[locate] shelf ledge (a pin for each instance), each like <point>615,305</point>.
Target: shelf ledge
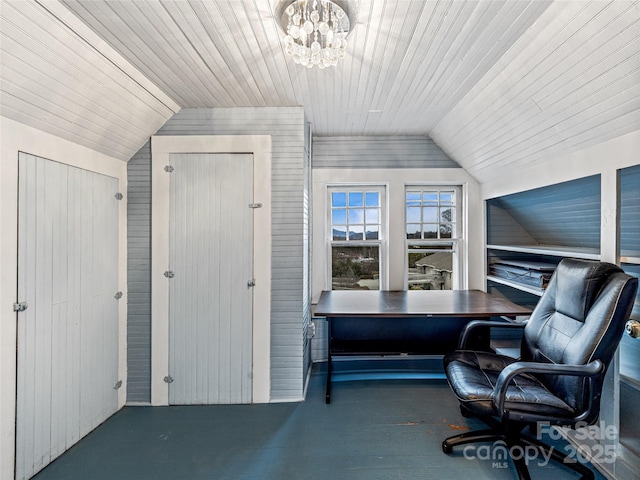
<point>516,285</point>
<point>558,251</point>
<point>632,260</point>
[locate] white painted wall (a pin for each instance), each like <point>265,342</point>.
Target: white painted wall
<point>607,156</point>
<point>15,137</point>
<point>395,181</point>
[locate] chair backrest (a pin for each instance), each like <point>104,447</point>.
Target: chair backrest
<point>580,318</point>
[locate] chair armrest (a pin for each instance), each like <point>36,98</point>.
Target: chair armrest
<point>466,332</point>
<point>590,369</point>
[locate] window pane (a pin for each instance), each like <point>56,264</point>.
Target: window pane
<point>372,215</point>
<point>446,214</point>
<point>339,199</point>
<point>437,214</point>
<point>339,216</point>
<point>430,214</point>
<point>413,214</point>
<point>373,199</point>
<point>413,198</point>
<point>355,199</point>
<point>413,231</point>
<point>355,268</point>
<point>372,232</point>
<point>356,215</point>
<point>446,198</point>
<point>430,231</point>
<point>446,230</point>
<point>339,233</point>
<point>356,232</point>
<point>430,198</point>
<point>430,270</point>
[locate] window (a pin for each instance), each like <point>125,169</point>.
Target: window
<point>432,232</point>
<point>389,234</point>
<point>430,214</point>
<point>355,237</point>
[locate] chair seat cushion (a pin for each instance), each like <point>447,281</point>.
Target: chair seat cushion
<point>473,375</point>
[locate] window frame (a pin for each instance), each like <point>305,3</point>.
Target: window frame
<point>381,242</point>
<point>456,240</point>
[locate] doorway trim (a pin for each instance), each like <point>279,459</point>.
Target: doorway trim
<point>161,149</point>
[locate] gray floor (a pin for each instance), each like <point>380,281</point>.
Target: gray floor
<point>375,429</point>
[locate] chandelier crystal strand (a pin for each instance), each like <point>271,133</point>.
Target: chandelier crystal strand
<point>316,32</point>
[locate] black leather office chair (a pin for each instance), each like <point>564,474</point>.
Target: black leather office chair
<point>566,348</point>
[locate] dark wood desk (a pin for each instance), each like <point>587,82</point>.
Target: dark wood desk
<point>414,322</point>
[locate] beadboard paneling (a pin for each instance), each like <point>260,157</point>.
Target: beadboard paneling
<point>139,276</point>
<point>502,228</point>
<point>630,211</point>
<point>289,309</point>
<point>407,64</point>
<point>379,152</point>
<point>306,251</point>
<point>60,77</point>
<point>496,84</point>
<point>565,214</point>
<point>571,81</point>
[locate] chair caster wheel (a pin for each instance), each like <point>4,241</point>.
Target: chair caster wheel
<point>446,448</point>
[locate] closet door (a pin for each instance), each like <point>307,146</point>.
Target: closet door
<point>68,335</point>
<point>211,272</point>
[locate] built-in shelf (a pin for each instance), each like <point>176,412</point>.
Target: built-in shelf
<point>541,225</point>
<point>516,285</point>
<point>554,250</point>
<point>534,230</point>
<point>540,250</point>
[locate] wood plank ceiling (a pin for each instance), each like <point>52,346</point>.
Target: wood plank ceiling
<point>494,83</point>
<point>60,77</point>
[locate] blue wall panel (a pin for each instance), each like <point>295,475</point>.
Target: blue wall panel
<point>565,214</point>
<point>630,211</point>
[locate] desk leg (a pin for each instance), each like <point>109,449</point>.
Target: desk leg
<point>329,365</point>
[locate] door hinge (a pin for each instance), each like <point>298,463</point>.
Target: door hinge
<point>251,283</point>
<point>169,274</point>
<point>168,379</point>
<point>117,385</point>
<point>119,196</point>
<point>255,205</point>
<point>20,306</point>
<point>118,295</point>
<point>168,168</point>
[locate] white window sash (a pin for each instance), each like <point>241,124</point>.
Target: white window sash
<point>380,242</point>
<point>455,242</point>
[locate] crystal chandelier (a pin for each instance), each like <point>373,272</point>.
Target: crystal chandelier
<point>316,32</point>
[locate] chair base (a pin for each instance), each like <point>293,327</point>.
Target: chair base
<point>515,441</point>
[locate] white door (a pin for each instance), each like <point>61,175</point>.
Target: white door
<point>210,292</point>
<point>68,334</point>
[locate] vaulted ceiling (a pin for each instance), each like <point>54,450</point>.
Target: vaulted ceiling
<point>496,84</point>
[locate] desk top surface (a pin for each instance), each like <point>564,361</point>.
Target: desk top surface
<point>416,303</point>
